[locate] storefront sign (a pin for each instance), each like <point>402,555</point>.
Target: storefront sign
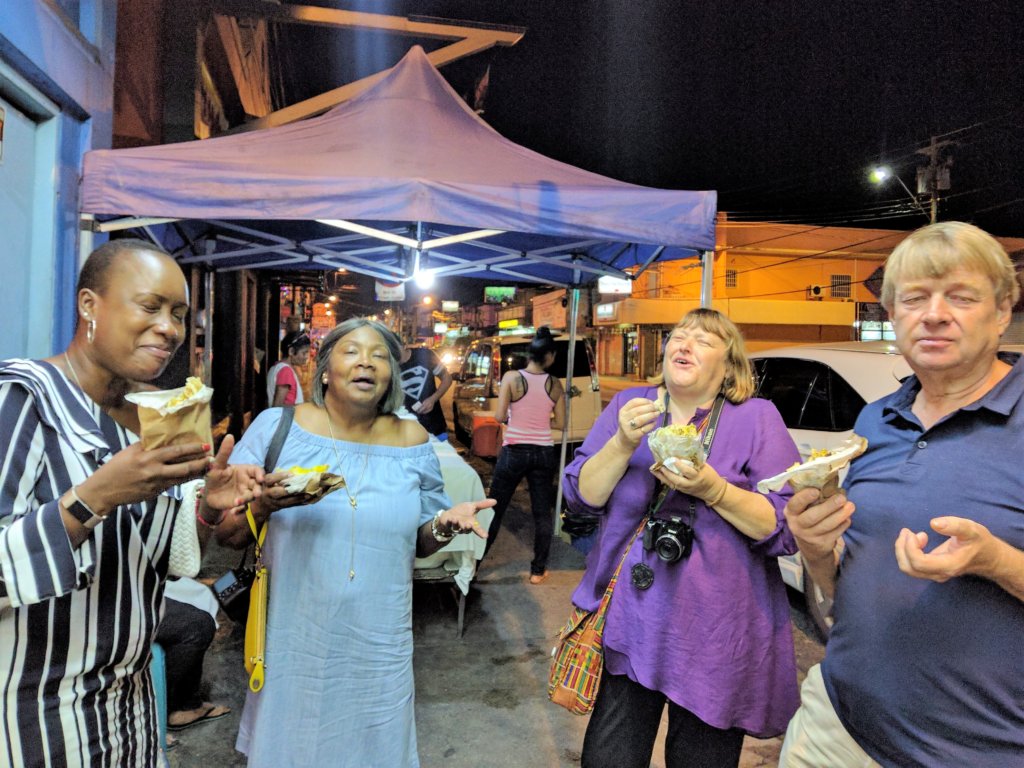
<point>389,291</point>
<point>508,323</point>
<point>606,311</point>
<point>449,306</point>
<point>614,285</point>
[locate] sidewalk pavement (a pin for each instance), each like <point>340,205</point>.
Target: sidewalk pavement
<point>480,700</point>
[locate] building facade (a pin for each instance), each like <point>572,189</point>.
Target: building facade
<point>56,103</point>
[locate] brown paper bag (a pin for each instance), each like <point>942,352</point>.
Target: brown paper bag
<point>187,420</point>
<point>188,425</point>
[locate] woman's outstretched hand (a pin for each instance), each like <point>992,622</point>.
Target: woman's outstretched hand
<point>229,487</point>
<point>462,518</point>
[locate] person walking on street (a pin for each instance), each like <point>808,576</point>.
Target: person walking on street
<point>532,402</point>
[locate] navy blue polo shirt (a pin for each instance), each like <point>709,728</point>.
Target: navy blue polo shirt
<point>922,673</point>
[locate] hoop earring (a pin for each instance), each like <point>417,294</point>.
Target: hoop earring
<point>90,331</point>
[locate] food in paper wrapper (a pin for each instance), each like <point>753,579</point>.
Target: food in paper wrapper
<point>676,441</point>
<point>659,405</point>
<point>174,416</point>
<point>820,471</point>
<point>313,482</point>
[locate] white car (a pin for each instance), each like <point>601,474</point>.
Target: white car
<point>820,389</point>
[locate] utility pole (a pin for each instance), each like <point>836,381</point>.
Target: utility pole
<point>935,176</point>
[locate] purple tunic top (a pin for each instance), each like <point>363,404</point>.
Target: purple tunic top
<point>713,632</point>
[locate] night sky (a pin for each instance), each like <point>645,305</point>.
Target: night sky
<point>780,106</point>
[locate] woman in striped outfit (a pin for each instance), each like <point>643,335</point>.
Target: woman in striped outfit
<point>86,518</point>
<point>531,401</point>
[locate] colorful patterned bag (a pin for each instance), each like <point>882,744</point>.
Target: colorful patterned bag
<point>578,659</point>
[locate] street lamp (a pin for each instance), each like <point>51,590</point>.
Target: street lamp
<point>882,173</point>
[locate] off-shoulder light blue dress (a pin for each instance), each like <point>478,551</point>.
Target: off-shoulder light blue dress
<point>339,681</point>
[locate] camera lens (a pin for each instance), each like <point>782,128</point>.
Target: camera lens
<point>669,548</point>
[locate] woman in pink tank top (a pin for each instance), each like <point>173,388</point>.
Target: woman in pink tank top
<point>531,401</point>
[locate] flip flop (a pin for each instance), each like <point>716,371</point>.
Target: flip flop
<point>206,716</point>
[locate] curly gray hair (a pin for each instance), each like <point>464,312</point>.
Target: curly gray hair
<point>393,397</point>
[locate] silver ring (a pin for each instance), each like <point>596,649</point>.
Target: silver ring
<point>632,424</point>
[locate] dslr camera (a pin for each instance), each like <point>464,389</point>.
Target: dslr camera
<point>671,538</point>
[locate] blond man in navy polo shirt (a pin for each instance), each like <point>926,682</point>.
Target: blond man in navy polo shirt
<point>924,552</point>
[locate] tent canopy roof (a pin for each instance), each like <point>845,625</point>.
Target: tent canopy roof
<point>407,157</point>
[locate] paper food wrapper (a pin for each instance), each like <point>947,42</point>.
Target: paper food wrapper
<point>174,416</point>
<point>821,472</point>
<point>313,483</point>
<point>676,442</point>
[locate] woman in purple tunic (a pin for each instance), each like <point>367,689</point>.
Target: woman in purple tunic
<point>699,617</point>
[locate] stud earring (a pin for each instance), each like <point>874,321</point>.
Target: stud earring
<point>324,379</point>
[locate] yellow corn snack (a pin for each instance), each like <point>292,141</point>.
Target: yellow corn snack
<point>681,430</point>
<point>192,387</point>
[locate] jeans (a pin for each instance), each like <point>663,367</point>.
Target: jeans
<point>537,464</point>
<point>624,724</point>
<point>185,632</point>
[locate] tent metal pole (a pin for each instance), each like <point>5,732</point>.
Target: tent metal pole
<point>85,238</point>
<point>574,305</point>
<point>707,275</point>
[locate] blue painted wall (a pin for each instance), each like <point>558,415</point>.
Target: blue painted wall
<point>57,73</point>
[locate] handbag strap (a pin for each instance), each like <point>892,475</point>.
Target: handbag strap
<point>603,605</point>
<point>280,435</point>
<point>273,453</point>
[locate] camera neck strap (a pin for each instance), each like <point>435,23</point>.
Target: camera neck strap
<point>709,426</point>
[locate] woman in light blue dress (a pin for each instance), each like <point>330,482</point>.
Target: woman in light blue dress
<point>339,680</point>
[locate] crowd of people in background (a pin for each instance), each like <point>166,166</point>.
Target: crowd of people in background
<point>923,548</point>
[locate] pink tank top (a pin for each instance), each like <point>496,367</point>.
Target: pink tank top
<point>529,417</point>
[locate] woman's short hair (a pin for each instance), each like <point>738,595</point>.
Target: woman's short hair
<point>938,249</point>
<point>542,344</point>
<point>393,396</point>
<point>95,274</point>
<point>294,341</point>
<point>738,385</point>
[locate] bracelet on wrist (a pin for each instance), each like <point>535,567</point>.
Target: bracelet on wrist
<point>718,499</point>
<point>200,492</point>
<point>435,529</point>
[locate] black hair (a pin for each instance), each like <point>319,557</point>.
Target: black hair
<point>294,340</point>
<point>95,272</point>
<point>543,343</point>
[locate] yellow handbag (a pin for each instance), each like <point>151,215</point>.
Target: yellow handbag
<point>256,624</point>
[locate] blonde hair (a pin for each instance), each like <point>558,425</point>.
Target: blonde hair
<point>738,385</point>
<point>938,249</point>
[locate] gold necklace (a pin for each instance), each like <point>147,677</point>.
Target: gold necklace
<point>353,503</point>
<point>71,368</point>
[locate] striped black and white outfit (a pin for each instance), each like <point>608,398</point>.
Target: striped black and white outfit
<point>76,625</point>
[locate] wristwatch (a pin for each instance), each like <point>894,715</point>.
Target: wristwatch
<point>81,511</point>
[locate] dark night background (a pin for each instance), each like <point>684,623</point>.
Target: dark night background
<point>782,107</point>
